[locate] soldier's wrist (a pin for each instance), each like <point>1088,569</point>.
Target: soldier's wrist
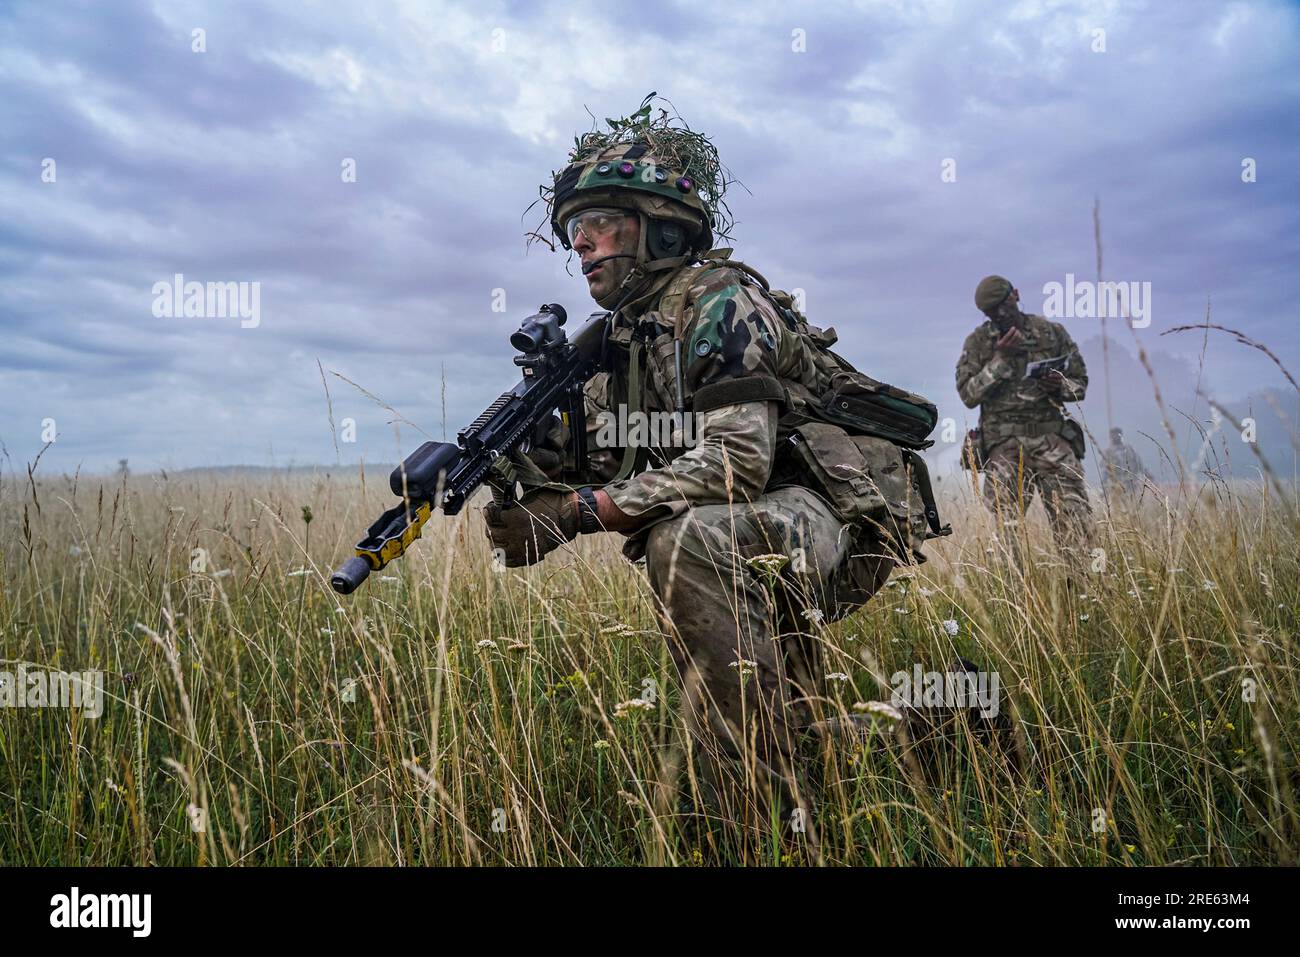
<point>588,510</point>
<point>612,518</point>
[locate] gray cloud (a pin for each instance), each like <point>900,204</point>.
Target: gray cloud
<point>225,165</point>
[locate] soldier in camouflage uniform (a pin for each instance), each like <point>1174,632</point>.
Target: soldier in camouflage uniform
<point>1122,470</point>
<point>1028,444</point>
<point>693,333</point>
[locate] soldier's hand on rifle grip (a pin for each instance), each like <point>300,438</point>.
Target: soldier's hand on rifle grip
<point>536,525</point>
<point>547,452</point>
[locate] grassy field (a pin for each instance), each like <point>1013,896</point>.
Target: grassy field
<point>450,713</point>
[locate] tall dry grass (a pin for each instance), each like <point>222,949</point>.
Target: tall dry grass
<point>450,713</point>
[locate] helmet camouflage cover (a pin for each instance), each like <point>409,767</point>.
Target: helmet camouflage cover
<point>631,177</point>
<point>647,164</point>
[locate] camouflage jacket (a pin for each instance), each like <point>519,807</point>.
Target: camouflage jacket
<point>745,378</point>
<point>1011,404</point>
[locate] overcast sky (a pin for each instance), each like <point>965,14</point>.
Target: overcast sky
<point>226,165</point>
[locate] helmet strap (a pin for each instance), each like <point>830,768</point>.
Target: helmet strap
<point>635,287</point>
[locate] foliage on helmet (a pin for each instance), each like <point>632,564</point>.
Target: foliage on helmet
<point>687,173</point>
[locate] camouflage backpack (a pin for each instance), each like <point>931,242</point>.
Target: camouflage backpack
<point>854,400</point>
<point>841,395</point>
<point>858,437</point>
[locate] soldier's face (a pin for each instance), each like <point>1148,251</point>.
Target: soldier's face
<point>609,275</point>
<point>1009,311</point>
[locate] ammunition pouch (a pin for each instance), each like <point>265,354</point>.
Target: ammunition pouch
<point>865,406</point>
<point>1072,432</point>
<point>869,482</point>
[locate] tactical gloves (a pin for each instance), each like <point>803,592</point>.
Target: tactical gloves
<point>549,439</point>
<point>525,532</point>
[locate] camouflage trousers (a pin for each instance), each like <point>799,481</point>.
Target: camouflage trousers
<point>1017,468</point>
<point>744,640</point>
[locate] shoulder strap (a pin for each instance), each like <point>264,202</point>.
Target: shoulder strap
<point>751,271</point>
<point>674,295</point>
<point>630,452</point>
<point>722,257</point>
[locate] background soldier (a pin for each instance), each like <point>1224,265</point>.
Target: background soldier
<point>1122,469</point>
<point>1027,444</point>
<point>698,333</point>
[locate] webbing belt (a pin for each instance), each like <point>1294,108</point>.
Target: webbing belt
<point>1006,429</point>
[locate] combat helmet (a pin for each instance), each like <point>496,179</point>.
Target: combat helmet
<point>653,165</point>
<point>631,177</point>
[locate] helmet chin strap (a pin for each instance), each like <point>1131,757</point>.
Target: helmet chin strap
<point>638,279</point>
<point>617,297</point>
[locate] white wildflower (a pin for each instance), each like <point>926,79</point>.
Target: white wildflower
<point>770,563</point>
<point>744,666</point>
<point>625,708</point>
<point>881,709</point>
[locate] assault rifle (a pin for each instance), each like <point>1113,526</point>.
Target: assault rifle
<point>445,474</point>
